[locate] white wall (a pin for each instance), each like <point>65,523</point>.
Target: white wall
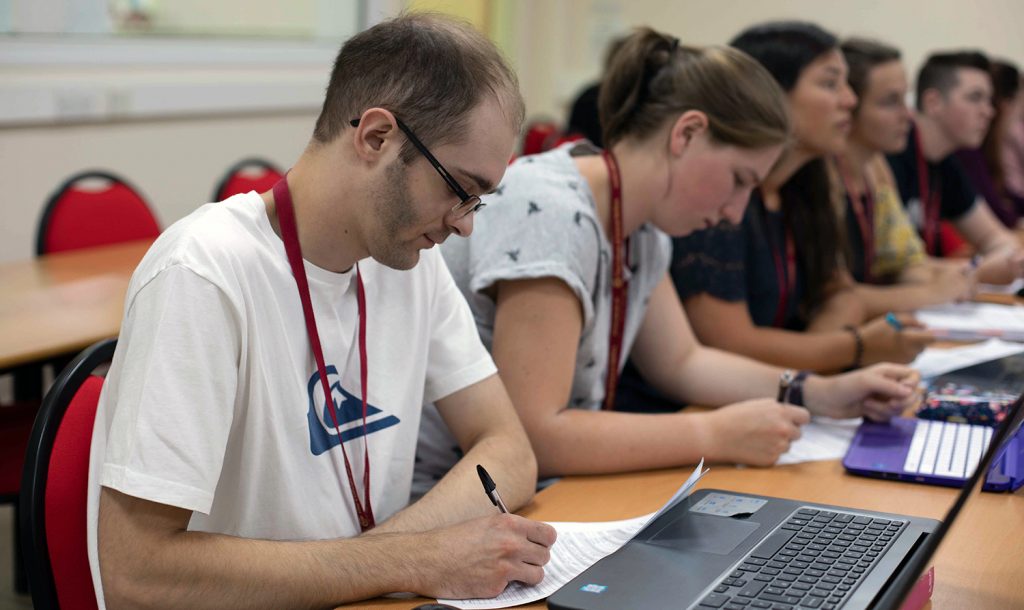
<point>553,68</point>
<point>556,46</point>
<point>176,163</point>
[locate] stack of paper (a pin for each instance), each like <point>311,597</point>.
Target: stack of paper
<point>579,546</point>
<point>974,321</point>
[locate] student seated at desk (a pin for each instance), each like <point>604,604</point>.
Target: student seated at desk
<point>985,165</point>
<point>566,276</point>
<point>754,287</point>
<point>219,477</point>
<point>887,258</point>
<point>954,108</point>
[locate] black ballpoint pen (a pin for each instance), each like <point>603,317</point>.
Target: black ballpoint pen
<point>490,489</point>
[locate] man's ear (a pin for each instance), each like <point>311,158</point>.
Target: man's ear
<point>688,125</point>
<point>932,100</point>
<point>376,135</point>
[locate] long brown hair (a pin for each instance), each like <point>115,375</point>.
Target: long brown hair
<point>1005,85</point>
<point>653,79</point>
<point>786,48</point>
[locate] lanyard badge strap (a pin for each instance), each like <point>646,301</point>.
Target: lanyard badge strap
<point>620,285</point>
<point>290,235</point>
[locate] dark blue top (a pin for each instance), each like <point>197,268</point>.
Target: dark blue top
<point>733,263</point>
<point>740,263</point>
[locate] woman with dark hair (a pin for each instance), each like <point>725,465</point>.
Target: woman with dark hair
<point>751,288</point>
<point>887,258</point>
<point>984,165</point>
<point>1011,153</point>
<point>568,277</point>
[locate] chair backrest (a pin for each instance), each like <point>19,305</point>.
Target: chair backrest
<point>539,136</point>
<point>247,175</point>
<point>80,215</point>
<point>54,486</point>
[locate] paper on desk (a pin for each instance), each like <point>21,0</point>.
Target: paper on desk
<point>974,321</point>
<point>1010,288</point>
<point>578,546</point>
<point>823,438</point>
<point>935,361</point>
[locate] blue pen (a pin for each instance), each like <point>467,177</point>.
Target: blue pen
<point>894,321</point>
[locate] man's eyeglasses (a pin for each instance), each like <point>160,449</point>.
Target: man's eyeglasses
<point>468,204</point>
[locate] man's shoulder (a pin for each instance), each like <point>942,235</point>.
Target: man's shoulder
<point>208,241</point>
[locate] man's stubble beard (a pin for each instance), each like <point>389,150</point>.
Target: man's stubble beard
<point>394,214</point>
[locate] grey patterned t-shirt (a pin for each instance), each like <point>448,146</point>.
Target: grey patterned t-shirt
<point>542,222</point>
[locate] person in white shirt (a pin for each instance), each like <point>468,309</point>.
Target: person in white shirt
<point>220,476</point>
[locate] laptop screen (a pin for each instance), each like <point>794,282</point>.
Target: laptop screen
<point>905,580</point>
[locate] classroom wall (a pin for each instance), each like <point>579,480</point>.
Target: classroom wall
<point>176,163</point>
<point>555,45</point>
<point>553,66</point>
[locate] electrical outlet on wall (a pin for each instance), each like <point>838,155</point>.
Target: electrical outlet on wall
<point>80,104</point>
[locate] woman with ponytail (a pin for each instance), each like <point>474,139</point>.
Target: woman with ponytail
<point>566,274</point>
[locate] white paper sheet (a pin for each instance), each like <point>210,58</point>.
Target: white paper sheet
<point>578,546</point>
<point>935,361</point>
<point>823,438</point>
<point>1010,288</point>
<point>974,321</point>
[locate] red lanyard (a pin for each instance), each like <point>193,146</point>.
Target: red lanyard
<point>864,210</point>
<point>620,285</point>
<point>290,236</point>
<point>931,201</point>
<point>785,273</point>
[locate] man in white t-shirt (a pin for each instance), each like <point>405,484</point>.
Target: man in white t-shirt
<point>220,476</point>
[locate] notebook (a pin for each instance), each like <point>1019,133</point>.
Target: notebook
<point>722,549</point>
<point>977,394</point>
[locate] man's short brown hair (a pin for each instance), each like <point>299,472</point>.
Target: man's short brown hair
<point>430,71</point>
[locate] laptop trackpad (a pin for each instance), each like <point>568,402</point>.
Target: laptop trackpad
<point>708,534</point>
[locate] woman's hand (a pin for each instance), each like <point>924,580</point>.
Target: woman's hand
<point>754,432</point>
<point>883,343</point>
<point>878,392</point>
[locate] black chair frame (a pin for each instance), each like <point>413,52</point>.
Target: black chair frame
<point>37,464</point>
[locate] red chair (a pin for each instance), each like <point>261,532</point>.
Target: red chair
<point>539,137</point>
<point>54,486</point>
<point>94,208</point>
<point>248,175</point>
<point>15,429</point>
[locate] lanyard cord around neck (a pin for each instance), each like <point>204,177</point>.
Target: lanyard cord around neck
<point>620,285</point>
<point>863,205</point>
<point>290,235</point>
<point>784,257</point>
<point>931,201</point>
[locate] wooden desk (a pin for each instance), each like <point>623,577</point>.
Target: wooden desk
<point>978,565</point>
<point>62,303</point>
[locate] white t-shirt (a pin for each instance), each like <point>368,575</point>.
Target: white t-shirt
<point>213,401</point>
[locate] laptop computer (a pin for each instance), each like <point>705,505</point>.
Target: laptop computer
<point>721,549</point>
<point>946,452</point>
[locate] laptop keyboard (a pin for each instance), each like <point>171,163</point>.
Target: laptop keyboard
<point>815,559</point>
<point>946,449</point>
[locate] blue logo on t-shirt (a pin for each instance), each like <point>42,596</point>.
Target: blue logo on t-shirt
<point>348,408</point>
